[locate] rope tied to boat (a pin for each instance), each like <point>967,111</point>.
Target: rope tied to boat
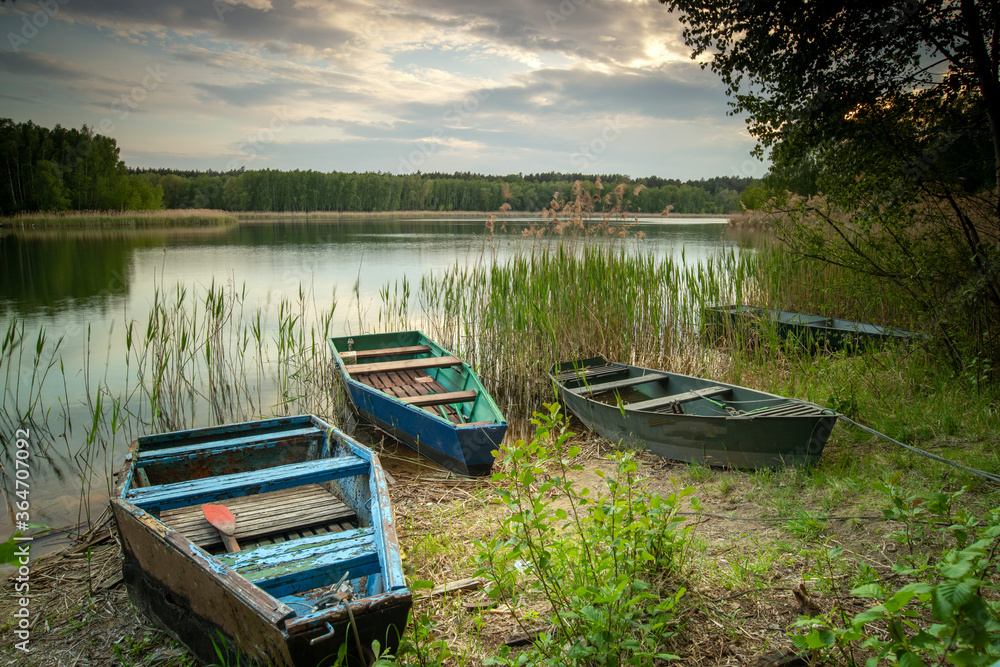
<point>981,473</point>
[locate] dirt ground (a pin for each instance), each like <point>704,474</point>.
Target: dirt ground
<point>82,616</point>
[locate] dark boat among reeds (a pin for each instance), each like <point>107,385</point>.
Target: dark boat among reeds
<point>424,396</point>
<point>832,333</point>
<point>692,419</point>
<point>317,571</point>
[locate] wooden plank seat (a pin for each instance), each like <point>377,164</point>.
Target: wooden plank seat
<point>168,454</point>
<point>676,399</point>
<point>392,351</point>
<point>156,499</point>
<point>618,384</point>
<point>440,399</point>
<point>277,426</point>
<point>406,364</point>
<point>263,514</point>
<point>587,372</point>
<point>308,562</point>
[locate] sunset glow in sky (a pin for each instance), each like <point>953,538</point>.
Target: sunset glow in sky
<point>487,86</point>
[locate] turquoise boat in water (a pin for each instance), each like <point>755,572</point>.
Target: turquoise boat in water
<point>421,394</point>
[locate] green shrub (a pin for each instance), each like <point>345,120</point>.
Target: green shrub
<point>606,568</point>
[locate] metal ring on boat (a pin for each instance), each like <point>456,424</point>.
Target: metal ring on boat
<point>316,640</point>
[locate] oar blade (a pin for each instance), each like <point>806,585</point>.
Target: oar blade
<point>220,517</point>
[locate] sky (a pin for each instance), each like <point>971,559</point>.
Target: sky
<point>485,86</point>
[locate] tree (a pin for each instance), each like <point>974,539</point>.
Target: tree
<point>800,69</point>
<point>50,193</point>
<point>892,109</point>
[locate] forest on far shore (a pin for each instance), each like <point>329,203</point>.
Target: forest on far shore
<point>63,169</point>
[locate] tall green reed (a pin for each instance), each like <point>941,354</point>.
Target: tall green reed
<point>25,366</point>
<point>214,353</point>
<point>199,357</point>
<point>575,285</point>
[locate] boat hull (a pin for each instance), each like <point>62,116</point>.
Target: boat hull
<point>737,440</point>
<point>467,450</point>
<point>224,612</point>
<point>814,331</point>
<point>465,442</point>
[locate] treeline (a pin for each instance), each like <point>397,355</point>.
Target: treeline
<point>62,169</point>
<point>272,190</point>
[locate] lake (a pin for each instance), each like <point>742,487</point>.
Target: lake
<point>84,285</point>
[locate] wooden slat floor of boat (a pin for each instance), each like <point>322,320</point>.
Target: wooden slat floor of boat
<point>262,514</point>
<point>278,538</point>
<point>792,409</point>
<point>410,383</point>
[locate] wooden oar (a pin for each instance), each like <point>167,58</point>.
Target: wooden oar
<point>224,521</point>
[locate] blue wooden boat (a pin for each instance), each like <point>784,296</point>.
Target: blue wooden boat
<point>422,395</point>
<point>812,331</point>
<point>692,419</point>
<point>318,572</point>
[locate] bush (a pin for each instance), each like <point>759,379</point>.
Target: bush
<point>607,568</point>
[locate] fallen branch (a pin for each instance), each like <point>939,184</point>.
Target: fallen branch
<point>458,585</point>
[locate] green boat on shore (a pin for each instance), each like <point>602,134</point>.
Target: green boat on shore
<point>691,419</point>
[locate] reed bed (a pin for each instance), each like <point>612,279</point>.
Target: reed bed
<point>790,282</point>
<point>199,358</point>
<point>578,284</point>
<point>161,218</point>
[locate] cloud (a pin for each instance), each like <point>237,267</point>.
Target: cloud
<point>362,82</point>
<point>662,92</point>
<point>248,94</point>
<point>31,64</point>
<point>280,26</point>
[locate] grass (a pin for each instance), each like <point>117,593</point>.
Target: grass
<point>161,218</point>
<point>574,290</point>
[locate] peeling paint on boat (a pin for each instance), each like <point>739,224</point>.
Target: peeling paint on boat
<point>200,598</point>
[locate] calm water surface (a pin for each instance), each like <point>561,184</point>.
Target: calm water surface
<point>84,285</point>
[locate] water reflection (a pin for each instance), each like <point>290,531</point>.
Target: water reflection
<point>84,286</point>
<point>54,271</point>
